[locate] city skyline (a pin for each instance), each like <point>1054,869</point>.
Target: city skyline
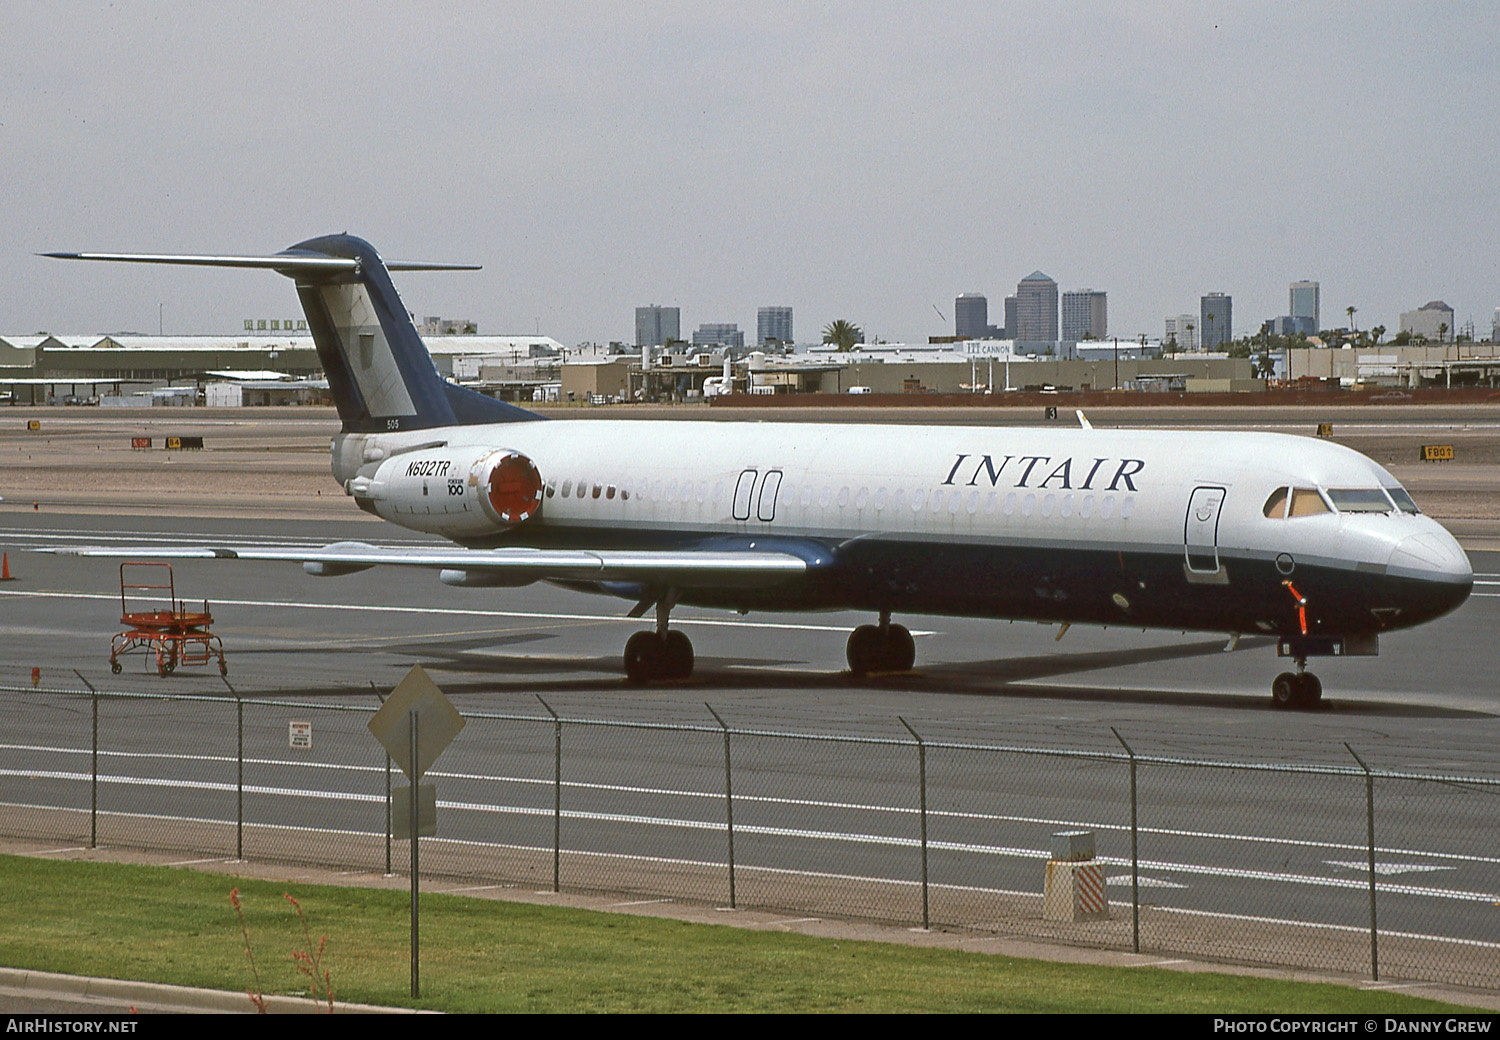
<point>1128,150</point>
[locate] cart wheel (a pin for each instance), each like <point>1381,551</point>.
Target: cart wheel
<point>114,666</point>
<point>171,666</point>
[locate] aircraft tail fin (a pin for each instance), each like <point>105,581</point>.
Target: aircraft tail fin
<point>379,372</point>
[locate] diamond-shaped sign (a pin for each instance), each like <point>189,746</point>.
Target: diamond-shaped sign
<point>438,722</point>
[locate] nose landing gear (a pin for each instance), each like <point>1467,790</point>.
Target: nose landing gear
<point>1299,689</point>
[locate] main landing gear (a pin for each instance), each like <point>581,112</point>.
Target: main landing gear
<point>660,654</point>
<point>1299,689</point>
<point>881,648</point>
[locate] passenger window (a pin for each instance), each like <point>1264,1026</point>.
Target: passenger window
<point>567,488</point>
<point>1307,502</point>
<point>1276,505</point>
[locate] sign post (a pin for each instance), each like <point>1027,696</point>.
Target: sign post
<point>415,725</point>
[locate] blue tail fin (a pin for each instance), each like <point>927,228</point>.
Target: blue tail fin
<point>379,372</point>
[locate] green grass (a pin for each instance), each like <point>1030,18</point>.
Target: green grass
<point>177,926</point>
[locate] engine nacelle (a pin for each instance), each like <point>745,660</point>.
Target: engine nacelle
<point>452,491</point>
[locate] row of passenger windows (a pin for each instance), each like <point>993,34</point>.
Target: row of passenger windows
<point>1291,502</point>
<point>952,501</point>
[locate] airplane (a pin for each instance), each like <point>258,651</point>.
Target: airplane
<point>1240,533</point>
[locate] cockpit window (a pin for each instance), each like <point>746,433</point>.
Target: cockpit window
<point>1360,500</point>
<point>1402,499</point>
<point>1307,502</point>
<point>1276,505</point>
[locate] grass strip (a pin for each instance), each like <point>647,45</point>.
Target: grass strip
<point>177,926</point>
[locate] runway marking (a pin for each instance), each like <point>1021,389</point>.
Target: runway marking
<point>463,612</point>
<point>802,833</point>
<point>195,862</point>
<point>1356,929</point>
<point>801,803</point>
<point>1386,869</point>
<point>643,902</point>
<point>1143,882</point>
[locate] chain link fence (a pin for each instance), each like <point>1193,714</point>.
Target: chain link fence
<point>1347,869</point>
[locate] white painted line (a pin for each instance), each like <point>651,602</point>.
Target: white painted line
<point>195,862</point>
<point>644,902</point>
<point>1385,869</point>
<point>1143,882</point>
<point>1357,929</point>
<point>801,803</point>
<point>457,612</point>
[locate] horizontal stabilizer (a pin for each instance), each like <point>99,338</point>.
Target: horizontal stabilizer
<point>288,263</point>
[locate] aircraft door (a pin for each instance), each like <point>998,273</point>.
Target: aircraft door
<point>1201,530</point>
<point>744,492</point>
<point>766,510</point>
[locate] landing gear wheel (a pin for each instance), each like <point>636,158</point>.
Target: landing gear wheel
<point>1312,690</point>
<point>1284,690</point>
<point>643,657</point>
<point>677,656</point>
<point>863,651</point>
<point>1290,690</point>
<point>900,650</point>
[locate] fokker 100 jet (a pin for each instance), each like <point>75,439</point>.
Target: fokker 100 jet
<point>1240,533</point>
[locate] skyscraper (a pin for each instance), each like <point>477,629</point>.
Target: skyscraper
<point>1036,309</point>
<point>655,325</point>
<point>971,316</point>
<point>720,334</point>
<point>1215,325</point>
<point>773,323</point>
<point>1304,305</point>
<point>1085,315</point>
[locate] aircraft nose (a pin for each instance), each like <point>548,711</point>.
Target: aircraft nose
<point>1432,556</point>
<point>1436,572</point>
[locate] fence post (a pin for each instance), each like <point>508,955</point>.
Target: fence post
<point>388,822</point>
<point>239,782</point>
<point>556,796</point>
<point>922,801</point>
<point>1370,843</point>
<point>728,800</point>
<point>93,765</point>
<point>1135,857</point>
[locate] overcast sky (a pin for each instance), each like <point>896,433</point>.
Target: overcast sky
<point>865,161</point>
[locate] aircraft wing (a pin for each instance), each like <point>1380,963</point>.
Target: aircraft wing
<point>684,567</point>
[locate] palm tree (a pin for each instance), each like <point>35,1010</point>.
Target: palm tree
<point>843,334</point>
<point>1350,311</point>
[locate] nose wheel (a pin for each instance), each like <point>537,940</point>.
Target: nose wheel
<point>1296,690</point>
<point>881,648</point>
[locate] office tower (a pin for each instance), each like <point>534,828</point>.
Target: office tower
<point>1215,324</point>
<point>723,335</point>
<point>1036,309</point>
<point>1182,330</point>
<point>773,323</point>
<point>1084,315</point>
<point>1304,304</point>
<point>1009,332</point>
<point>655,325</point>
<point>971,316</point>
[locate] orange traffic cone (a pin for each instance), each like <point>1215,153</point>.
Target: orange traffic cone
<point>5,574</point>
